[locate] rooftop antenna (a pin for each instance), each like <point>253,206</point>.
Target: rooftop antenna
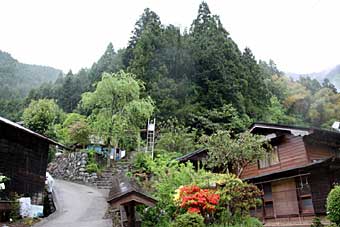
<point>150,136</point>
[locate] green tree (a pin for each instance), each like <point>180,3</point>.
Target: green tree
<point>117,108</point>
<point>217,62</point>
<point>177,139</point>
<point>74,129</point>
<point>234,154</point>
<point>221,118</point>
<point>333,205</point>
<point>42,115</point>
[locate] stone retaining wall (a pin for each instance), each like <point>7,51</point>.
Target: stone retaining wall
<point>72,167</point>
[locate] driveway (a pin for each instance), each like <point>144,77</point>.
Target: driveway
<point>77,206</point>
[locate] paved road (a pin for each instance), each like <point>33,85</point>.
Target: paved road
<point>77,206</point>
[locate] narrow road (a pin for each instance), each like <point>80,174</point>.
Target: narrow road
<point>77,206</point>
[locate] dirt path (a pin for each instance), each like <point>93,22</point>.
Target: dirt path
<point>77,206</point>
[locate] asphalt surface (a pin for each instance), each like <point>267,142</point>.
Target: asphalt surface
<point>77,206</point>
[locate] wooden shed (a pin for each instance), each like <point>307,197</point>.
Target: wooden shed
<point>127,194</point>
<point>23,158</point>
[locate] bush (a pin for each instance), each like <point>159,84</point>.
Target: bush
<point>15,207</point>
<point>188,220</point>
<point>197,200</point>
<point>238,196</point>
<point>333,205</point>
<point>240,221</point>
<point>92,168</point>
<point>317,223</point>
<point>92,165</point>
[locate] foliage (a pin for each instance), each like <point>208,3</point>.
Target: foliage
<point>238,197</point>
<point>167,176</point>
<point>41,116</point>
<point>190,75</point>
<point>221,118</point>
<point>15,206</point>
<point>177,138</point>
<point>74,130</point>
<point>241,221</point>
<point>92,166</point>
<point>189,219</point>
<point>317,222</point>
<point>3,180</point>
<point>197,200</point>
<point>333,205</point>
<point>117,109</point>
<point>164,176</point>
<point>234,154</point>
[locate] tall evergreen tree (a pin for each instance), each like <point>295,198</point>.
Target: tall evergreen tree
<point>216,61</point>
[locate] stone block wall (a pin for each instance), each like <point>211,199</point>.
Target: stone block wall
<point>72,167</point>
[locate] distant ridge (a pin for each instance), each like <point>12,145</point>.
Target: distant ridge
<point>17,79</point>
<point>332,74</point>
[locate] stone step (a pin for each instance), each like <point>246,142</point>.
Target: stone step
<point>104,187</point>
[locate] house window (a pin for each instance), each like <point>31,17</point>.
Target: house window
<point>271,158</point>
<point>268,200</point>
<point>304,195</point>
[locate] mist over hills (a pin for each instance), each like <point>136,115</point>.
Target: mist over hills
<point>332,74</point>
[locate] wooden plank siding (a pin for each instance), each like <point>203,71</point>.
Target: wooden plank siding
<point>292,153</point>
<point>319,151</point>
<point>285,198</point>
<point>23,158</point>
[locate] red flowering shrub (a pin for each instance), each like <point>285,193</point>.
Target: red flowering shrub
<point>197,200</point>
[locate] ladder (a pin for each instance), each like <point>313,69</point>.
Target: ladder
<point>150,136</point>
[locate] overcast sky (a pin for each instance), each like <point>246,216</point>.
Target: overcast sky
<point>299,35</point>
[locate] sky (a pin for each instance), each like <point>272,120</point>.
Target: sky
<point>301,36</point>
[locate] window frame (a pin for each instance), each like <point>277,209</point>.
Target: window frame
<point>267,160</point>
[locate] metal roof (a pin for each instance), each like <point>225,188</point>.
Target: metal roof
<point>26,130</point>
<point>124,187</point>
<point>188,156</point>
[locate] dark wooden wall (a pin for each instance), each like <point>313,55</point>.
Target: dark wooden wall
<point>322,181</point>
<point>292,153</point>
<point>318,151</point>
<point>23,158</point>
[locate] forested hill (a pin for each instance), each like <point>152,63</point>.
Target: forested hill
<point>332,75</point>
<point>200,79</point>
<point>17,79</point>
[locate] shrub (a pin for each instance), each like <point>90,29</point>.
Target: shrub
<point>188,220</point>
<point>240,221</point>
<point>92,165</point>
<point>238,196</point>
<point>197,200</point>
<point>333,205</point>
<point>92,168</point>
<point>317,223</point>
<point>15,206</point>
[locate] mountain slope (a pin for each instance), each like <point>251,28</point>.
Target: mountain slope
<point>333,75</point>
<point>17,79</point>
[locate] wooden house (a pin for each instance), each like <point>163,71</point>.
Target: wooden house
<point>297,174</point>
<point>23,158</point>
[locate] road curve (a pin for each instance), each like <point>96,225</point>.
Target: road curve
<point>77,206</point>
